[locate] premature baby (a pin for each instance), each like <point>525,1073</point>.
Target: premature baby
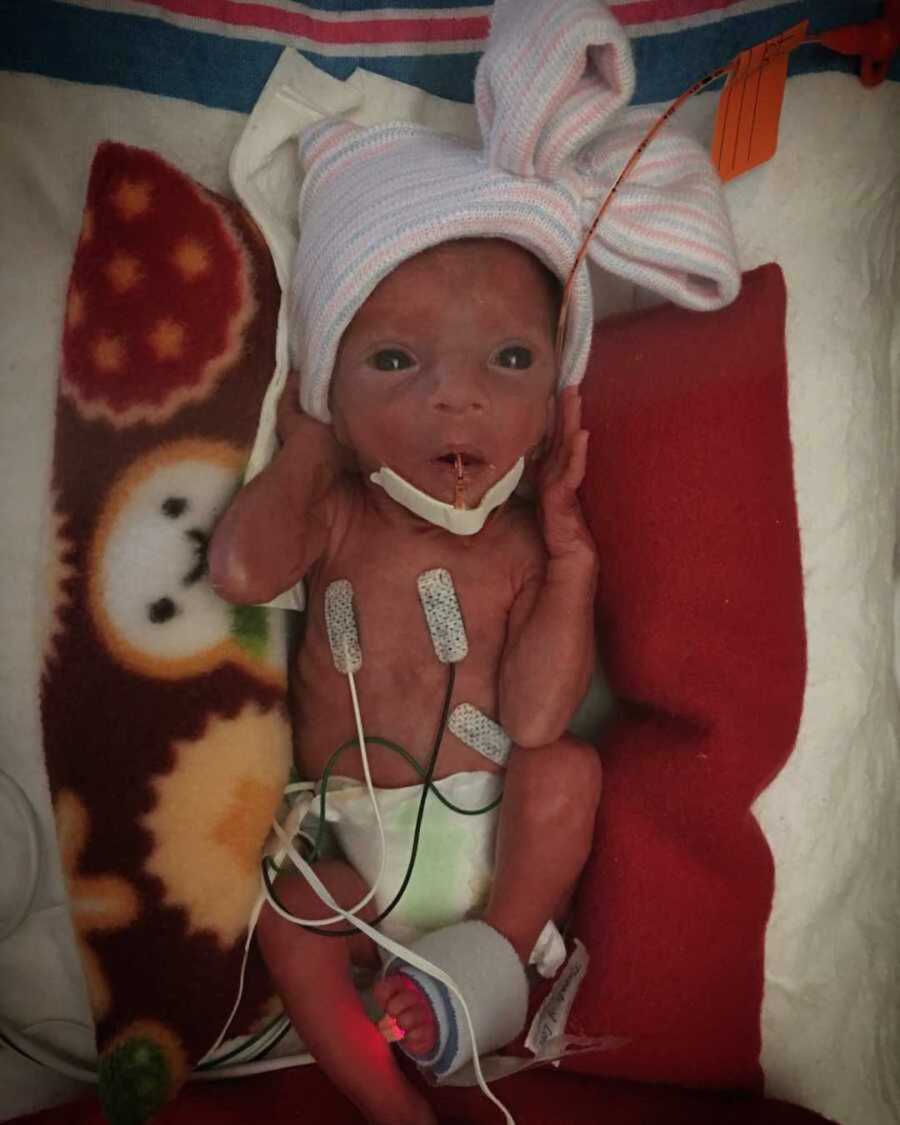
<point>451,359</point>
<point>422,321</point>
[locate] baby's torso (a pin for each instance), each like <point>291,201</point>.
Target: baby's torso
<point>401,682</point>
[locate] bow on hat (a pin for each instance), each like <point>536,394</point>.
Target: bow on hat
<point>549,92</point>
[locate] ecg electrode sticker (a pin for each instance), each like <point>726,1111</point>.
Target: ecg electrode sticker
<point>445,623</point>
<point>340,621</point>
<point>480,732</point>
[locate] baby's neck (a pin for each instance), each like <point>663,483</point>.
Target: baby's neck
<point>405,523</point>
<point>458,518</point>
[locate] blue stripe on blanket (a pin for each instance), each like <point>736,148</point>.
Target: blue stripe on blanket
<point>113,49</point>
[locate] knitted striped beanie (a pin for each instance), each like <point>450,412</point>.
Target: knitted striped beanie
<point>549,92</point>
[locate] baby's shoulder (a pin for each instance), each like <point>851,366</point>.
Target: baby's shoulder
<point>346,509</point>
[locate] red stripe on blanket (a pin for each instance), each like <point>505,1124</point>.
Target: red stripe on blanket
<point>370,27</point>
<point>632,12</point>
<point>327,31</point>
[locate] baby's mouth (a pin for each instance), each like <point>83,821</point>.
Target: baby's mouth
<point>461,459</point>
<point>464,464</point>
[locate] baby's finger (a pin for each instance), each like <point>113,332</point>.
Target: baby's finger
<point>291,388</point>
<point>554,468</point>
<point>553,439</point>
<point>571,411</point>
<point>288,400</point>
<point>287,411</point>
<point>577,462</point>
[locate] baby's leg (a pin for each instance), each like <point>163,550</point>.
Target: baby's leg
<point>550,800</point>
<point>312,975</point>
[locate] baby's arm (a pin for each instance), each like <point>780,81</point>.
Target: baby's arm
<point>277,526</point>
<point>550,648</point>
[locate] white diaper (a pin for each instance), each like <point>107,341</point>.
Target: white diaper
<point>454,864</point>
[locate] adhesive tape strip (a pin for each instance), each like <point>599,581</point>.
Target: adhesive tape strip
<point>442,615</point>
<point>340,622</point>
<point>479,732</point>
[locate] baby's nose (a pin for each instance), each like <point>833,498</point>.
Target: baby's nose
<point>458,388</point>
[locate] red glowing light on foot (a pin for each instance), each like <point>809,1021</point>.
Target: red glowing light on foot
<point>391,1031</point>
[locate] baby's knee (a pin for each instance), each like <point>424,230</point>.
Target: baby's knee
<point>559,783</point>
<point>575,778</point>
<point>577,764</point>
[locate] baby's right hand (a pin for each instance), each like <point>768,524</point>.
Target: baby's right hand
<point>291,421</point>
<point>289,417</point>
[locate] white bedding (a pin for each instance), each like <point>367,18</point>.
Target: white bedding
<point>827,209</point>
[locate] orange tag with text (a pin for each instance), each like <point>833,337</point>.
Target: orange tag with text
<point>746,131</point>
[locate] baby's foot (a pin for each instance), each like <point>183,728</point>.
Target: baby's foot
<point>406,1007</point>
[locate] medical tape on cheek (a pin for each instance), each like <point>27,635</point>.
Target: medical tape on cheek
<point>442,615</point>
<point>479,732</point>
<point>340,622</point>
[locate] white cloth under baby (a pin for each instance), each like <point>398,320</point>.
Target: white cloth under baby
<point>454,866</point>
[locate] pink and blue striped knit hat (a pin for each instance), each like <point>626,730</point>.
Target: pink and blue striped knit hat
<point>549,92</point>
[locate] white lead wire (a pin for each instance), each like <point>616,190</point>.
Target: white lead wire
<point>279,856</point>
<point>370,788</point>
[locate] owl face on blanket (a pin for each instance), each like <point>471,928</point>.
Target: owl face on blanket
<point>425,303</point>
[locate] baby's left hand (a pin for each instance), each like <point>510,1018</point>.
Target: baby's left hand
<point>560,473</point>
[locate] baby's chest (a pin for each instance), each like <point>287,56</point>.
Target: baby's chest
<point>414,602</point>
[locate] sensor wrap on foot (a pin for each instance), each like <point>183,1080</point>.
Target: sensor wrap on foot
<point>487,971</point>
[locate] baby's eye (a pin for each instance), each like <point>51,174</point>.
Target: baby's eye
<point>391,359</point>
<point>515,356</point>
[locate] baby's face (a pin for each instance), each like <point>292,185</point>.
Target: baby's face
<point>453,353</point>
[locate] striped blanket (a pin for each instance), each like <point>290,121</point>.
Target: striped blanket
<point>220,52</point>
